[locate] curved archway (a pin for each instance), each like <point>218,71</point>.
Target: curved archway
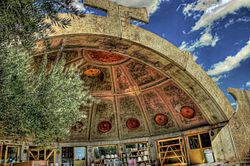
<point>120,43</point>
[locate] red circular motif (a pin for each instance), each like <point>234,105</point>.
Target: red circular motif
<point>104,126</point>
<point>161,119</point>
<point>187,112</point>
<point>77,127</point>
<point>132,123</point>
<point>104,56</point>
<point>92,72</point>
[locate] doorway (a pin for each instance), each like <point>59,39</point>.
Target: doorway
<point>171,151</point>
<point>197,144</point>
<point>9,154</point>
<point>74,156</point>
<point>42,154</point>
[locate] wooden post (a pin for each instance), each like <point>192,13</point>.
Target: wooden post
<point>45,153</point>
<point>1,152</point>
<point>186,143</point>
<point>54,157</point>
<point>29,154</point>
<point>6,155</point>
<point>18,153</point>
<point>201,148</point>
<point>38,154</point>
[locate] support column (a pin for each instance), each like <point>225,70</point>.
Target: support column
<point>89,155</point>
<point>153,149</point>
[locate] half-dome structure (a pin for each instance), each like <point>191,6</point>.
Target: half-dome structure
<point>136,99</point>
<point>156,105</point>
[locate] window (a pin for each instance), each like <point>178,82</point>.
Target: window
<point>199,141</point>
<point>102,152</point>
<point>205,140</point>
<point>194,142</point>
<point>67,156</point>
<point>10,154</point>
<point>79,153</point>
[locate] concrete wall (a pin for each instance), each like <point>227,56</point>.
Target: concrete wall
<point>232,142</point>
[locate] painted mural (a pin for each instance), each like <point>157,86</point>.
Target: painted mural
<point>104,57</point>
<point>143,74</point>
<point>179,101</point>
<point>97,78</point>
<point>123,84</point>
<point>136,100</point>
<point>132,122</point>
<point>103,126</point>
<point>160,117</point>
<point>80,130</point>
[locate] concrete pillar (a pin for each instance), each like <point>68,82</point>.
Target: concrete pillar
<point>24,152</point>
<point>89,155</point>
<point>153,149</point>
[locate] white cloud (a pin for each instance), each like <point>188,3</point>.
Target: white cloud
<point>200,5</point>
<point>195,57</point>
<point>218,78</point>
<point>206,39</point>
<point>231,62</point>
<point>212,10</point>
<point>232,21</point>
<point>233,104</point>
<point>163,35</point>
<point>248,84</point>
<point>78,5</point>
<point>243,19</point>
<point>151,5</point>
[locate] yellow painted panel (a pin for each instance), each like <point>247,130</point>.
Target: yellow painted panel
<point>79,163</point>
<point>196,156</point>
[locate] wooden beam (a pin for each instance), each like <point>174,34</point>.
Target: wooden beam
<point>49,155</point>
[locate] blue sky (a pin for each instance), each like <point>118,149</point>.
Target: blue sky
<point>216,32</point>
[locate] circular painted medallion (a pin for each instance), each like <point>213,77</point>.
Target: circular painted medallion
<point>92,72</point>
<point>77,127</point>
<point>161,119</point>
<point>132,123</point>
<point>187,112</point>
<point>104,57</point>
<point>104,126</point>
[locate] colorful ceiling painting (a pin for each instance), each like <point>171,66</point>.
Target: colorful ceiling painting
<point>158,113</point>
<point>92,72</point>
<point>135,100</point>
<point>104,126</point>
<point>179,99</point>
<point>161,119</point>
<point>103,122</point>
<point>143,74</point>
<point>122,80</point>
<point>187,112</point>
<point>104,57</point>
<point>80,130</point>
<point>129,107</point>
<point>132,123</point>
<point>78,127</point>
<point>97,78</point>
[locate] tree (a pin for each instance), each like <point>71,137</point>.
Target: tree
<point>22,22</point>
<point>37,104</point>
